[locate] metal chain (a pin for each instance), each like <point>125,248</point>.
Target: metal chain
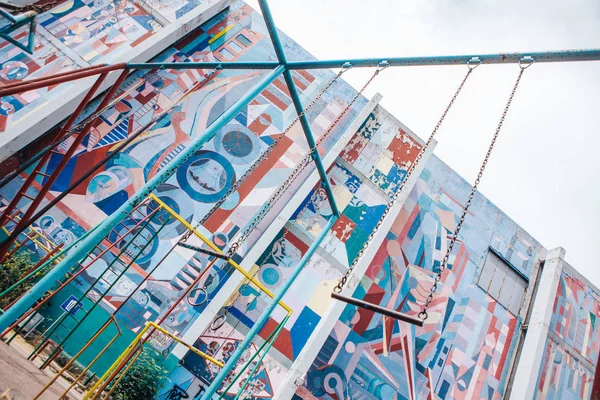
<point>265,154</point>
<point>299,168</point>
<point>423,314</point>
<point>31,7</point>
<point>472,64</point>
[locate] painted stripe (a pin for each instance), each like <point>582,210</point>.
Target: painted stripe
<point>218,35</point>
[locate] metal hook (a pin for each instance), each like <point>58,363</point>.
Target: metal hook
<point>527,59</point>
<point>218,322</point>
<point>382,65</point>
<point>474,63</point>
<point>191,294</point>
<point>346,66</point>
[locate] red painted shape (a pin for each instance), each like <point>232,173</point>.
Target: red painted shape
<point>283,343</point>
<point>374,295</point>
<point>274,99</point>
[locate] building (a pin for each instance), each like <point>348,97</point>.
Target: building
<point>511,319</point>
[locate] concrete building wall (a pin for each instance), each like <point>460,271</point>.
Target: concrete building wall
<point>236,34</point>
<point>368,170</point>
<point>464,351</point>
<point>561,348</point>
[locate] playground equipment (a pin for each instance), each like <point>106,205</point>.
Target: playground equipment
<point>151,215</point>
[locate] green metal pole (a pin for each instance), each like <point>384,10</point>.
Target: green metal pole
<point>268,344</point>
<point>83,246</point>
<point>44,265</point>
<point>82,297</point>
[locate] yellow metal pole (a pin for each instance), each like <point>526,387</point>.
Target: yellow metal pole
<point>116,363</point>
<point>114,386</point>
<point>72,360</point>
<point>190,347</point>
<point>138,340</point>
<point>119,333</point>
<point>217,250</point>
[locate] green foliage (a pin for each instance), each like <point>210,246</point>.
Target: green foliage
<point>11,271</point>
<point>143,379</point>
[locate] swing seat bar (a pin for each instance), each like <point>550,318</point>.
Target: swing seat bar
<point>205,251</point>
<point>378,309</point>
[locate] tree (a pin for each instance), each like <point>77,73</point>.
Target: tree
<point>143,379</point>
<point>11,271</point>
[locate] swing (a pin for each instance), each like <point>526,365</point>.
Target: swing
<point>524,63</point>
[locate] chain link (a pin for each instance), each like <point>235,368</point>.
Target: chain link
<point>340,286</point>
<point>423,314</point>
<point>296,172</point>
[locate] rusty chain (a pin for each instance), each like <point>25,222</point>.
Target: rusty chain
<point>423,314</point>
<point>472,64</point>
<point>299,168</point>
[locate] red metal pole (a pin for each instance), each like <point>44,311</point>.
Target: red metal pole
<point>55,80</point>
<point>72,277</point>
<point>66,157</point>
<point>45,78</point>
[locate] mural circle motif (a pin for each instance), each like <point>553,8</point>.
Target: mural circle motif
<point>206,176</point>
<point>270,276</point>
<point>140,240</point>
<point>238,143</point>
<point>12,70</point>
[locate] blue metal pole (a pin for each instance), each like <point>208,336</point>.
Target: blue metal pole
<point>272,29</point>
<point>206,65</point>
<point>81,249</point>
<point>258,325</point>
<point>311,140</point>
<point>499,58</point>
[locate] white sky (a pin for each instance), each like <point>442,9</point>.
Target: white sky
<point>545,169</point>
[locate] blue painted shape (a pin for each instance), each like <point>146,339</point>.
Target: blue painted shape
<point>302,329</point>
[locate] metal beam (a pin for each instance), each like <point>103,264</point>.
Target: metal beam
<point>499,58</point>
<point>289,80</point>
<point>311,140</point>
<point>206,65</point>
<point>264,316</point>
<point>81,249</point>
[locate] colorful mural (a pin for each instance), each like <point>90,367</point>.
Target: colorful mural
<point>562,376</point>
<point>75,34</point>
<point>362,201</point>
<point>463,351</point>
<point>574,316</point>
<point>182,104</point>
<point>573,344</point>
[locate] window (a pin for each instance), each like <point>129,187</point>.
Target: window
<point>243,40</point>
<point>234,46</point>
<point>502,282</point>
<point>226,54</point>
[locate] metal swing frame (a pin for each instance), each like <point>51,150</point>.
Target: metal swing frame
<point>282,67</point>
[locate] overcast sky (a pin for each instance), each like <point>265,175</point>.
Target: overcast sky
<point>545,169</point>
